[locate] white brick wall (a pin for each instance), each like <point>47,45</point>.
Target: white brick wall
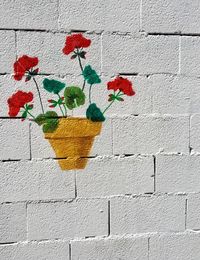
<point>139,196</point>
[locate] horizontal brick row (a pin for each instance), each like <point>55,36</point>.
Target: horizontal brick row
<point>109,53</point>
<point>130,16</point>
<point>163,94</point>
<point>182,246</point>
<point>83,218</point>
<point>107,176</point>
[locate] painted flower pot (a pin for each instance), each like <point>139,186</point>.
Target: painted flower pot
<point>72,141</point>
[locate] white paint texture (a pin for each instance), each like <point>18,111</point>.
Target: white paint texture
<point>139,196</point>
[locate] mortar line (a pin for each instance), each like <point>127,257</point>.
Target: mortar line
<point>173,34</point>
<point>179,56</point>
<point>70,251</point>
<point>190,148</point>
<point>75,184</point>
<point>134,74</point>
<point>186,211</point>
<point>154,163</point>
<point>109,218</point>
<point>27,221</point>
<point>97,32</point>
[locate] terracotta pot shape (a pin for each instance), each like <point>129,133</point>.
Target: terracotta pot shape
<point>72,141</point>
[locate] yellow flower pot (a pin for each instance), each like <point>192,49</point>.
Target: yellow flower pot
<point>73,140</point>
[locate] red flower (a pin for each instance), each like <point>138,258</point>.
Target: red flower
<point>75,41</point>
<point>121,84</point>
<point>18,100</point>
<point>23,65</point>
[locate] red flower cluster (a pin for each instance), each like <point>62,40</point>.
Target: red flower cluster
<point>121,84</point>
<point>17,101</point>
<point>23,65</point>
<point>75,41</point>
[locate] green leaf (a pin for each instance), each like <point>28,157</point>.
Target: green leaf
<point>60,101</point>
<point>90,75</point>
<point>50,126</point>
<point>24,114</point>
<point>73,56</point>
<point>40,119</point>
<point>49,120</point>
<point>119,98</point>
<point>28,77</point>
<point>74,97</point>
<point>82,54</point>
<point>94,113</point>
<point>51,114</point>
<point>52,85</point>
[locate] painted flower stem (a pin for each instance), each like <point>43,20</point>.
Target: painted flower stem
<point>29,113</point>
<point>64,114</point>
<point>61,110</point>
<point>83,87</point>
<point>90,93</point>
<point>81,66</point>
<point>118,94</point>
<point>39,94</point>
<point>79,60</point>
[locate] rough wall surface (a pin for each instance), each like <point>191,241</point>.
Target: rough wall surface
<point>139,197</point>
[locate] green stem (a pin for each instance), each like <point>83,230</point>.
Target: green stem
<point>39,95</point>
<point>79,60</point>
<point>81,66</point>
<point>108,106</point>
<point>83,87</point>
<point>118,94</point>
<point>64,114</point>
<point>90,92</point>
<point>29,113</point>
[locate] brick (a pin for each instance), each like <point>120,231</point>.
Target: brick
<point>12,222</point>
<point>43,250</point>
<point>133,248</point>
<point>81,218</point>
<point>177,173</point>
<point>171,94</point>
<point>40,14</point>
<point>167,16</point>
<point>195,133</point>
<point>7,50</point>
<point>193,212</point>
<point>147,214</point>
<point>35,180</point>
<point>183,246</point>
<point>14,136</point>
<point>113,176</point>
<point>190,55</point>
<point>94,15</point>
<point>128,54</point>
<point>150,134</point>
<point>48,48</point>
